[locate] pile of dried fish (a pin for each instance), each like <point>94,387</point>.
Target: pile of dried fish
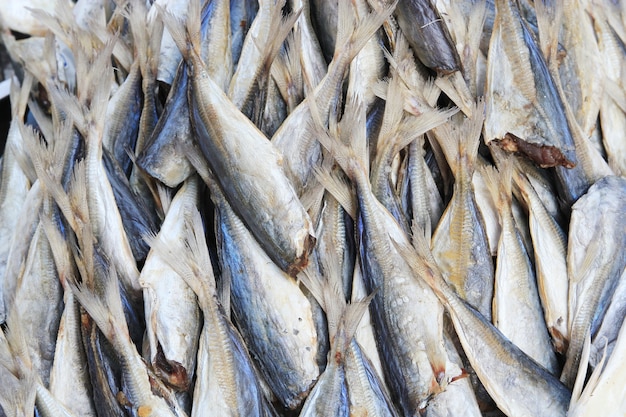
<point>329,208</point>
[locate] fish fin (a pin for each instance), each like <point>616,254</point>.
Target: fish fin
<point>498,181</point>
<point>106,310</point>
<point>68,103</point>
<point>459,139</point>
<point>185,33</point>
<point>591,253</point>
<point>47,163</point>
<point>581,376</point>
<point>280,27</point>
<point>456,88</point>
<point>491,177</point>
<point>19,95</point>
<point>420,258</point>
<point>189,258</point>
<point>165,197</point>
<point>339,188</point>
<point>351,35</point>
<point>549,17</point>
<point>288,72</point>
<point>352,156</point>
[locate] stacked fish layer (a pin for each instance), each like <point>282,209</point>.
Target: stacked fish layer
<point>273,208</point>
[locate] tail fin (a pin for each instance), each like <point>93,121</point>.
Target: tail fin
<point>186,34</point>
<point>190,258</point>
<point>460,138</point>
<point>350,151</point>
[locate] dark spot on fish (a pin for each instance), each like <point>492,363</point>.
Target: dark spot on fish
<point>338,358</point>
<point>559,342</point>
<point>123,400</point>
<point>463,374</point>
<point>296,331</point>
<point>303,260</point>
<point>544,156</point>
<point>171,372</point>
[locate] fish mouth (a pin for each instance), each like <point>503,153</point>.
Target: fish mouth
<point>543,155</point>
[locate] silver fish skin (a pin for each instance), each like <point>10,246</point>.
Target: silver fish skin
<point>518,76</point>
<point>549,244</point>
<point>69,377</point>
<point>364,334</point>
<point>137,219</point>
<point>247,166</point>
<point>295,138</point>
<point>414,361</point>
<point>581,65</point>
<point>426,207</point>
<point>517,310</point>
<point>173,127</point>
<point>236,391</point>
<point>465,21</point>
<point>397,131</point>
<point>331,394</point>
<point>173,321</point>
<point>272,313</point>
<point>368,66</point>
<point>460,242</point>
<point>595,262</point>
<point>103,368</point>
<point>94,87</point>
<point>508,374</point>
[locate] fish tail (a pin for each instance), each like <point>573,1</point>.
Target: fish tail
<point>345,141</point>
<point>280,27</point>
<point>499,181</point>
<point>459,140</point>
<point>352,35</point>
<point>189,258</point>
<point>106,311</point>
<point>186,33</point>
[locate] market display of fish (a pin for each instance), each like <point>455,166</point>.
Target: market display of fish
<point>315,208</point>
